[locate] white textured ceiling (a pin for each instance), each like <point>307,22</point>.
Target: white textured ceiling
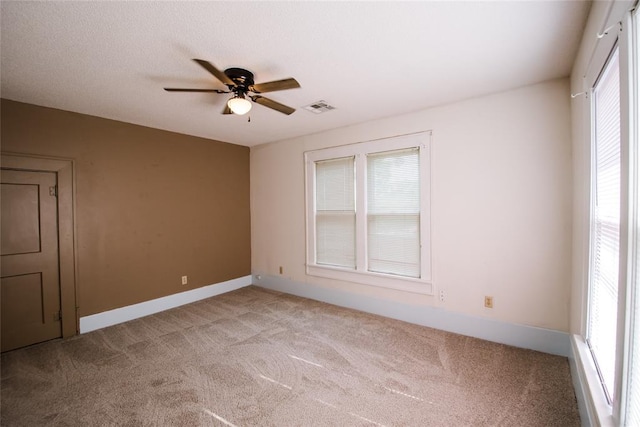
<point>369,60</point>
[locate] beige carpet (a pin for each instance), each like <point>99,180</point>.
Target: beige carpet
<point>254,357</point>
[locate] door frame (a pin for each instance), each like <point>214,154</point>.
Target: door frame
<point>64,169</point>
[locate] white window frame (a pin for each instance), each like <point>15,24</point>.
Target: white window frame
<point>630,132</point>
<point>605,409</point>
<point>360,274</point>
<point>614,29</point>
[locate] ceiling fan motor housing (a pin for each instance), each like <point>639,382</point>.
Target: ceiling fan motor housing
<point>242,78</point>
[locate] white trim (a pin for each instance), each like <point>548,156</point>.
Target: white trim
<point>407,284</point>
<point>629,47</point>
<point>523,336</point>
<point>618,37</point>
<point>609,30</point>
<point>604,17</point>
<point>135,311</point>
<point>592,403</point>
<point>361,274</point>
<point>579,387</point>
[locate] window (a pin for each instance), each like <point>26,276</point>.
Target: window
<point>335,213</point>
<point>605,234</point>
<point>368,213</point>
<point>393,212</point>
<point>609,363</point>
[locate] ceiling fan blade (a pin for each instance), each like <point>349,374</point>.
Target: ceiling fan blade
<point>227,110</point>
<point>175,89</point>
<point>270,103</point>
<point>217,73</point>
<point>275,85</point>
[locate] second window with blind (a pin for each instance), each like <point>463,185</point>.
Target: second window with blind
<point>368,213</point>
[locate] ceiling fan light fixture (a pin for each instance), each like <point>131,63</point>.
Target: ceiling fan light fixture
<point>239,105</point>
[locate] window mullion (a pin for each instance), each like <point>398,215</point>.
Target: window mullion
<point>361,212</point>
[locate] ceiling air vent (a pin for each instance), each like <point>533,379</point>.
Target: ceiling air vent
<point>319,107</point>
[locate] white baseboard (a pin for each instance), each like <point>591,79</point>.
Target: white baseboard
<point>523,336</point>
<point>130,312</point>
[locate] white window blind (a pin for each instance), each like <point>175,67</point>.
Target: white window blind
<point>335,212</point>
<point>393,212</point>
<point>603,292</point>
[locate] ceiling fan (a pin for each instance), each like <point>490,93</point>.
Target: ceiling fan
<point>240,82</point>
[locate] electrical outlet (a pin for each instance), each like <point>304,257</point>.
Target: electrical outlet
<point>184,280</point>
<point>441,296</point>
<point>488,302</point>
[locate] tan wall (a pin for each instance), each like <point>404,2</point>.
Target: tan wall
<point>151,205</point>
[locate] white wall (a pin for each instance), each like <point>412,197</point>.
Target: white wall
<point>501,204</point>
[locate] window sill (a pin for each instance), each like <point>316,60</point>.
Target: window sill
<point>406,284</point>
<point>597,406</point>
